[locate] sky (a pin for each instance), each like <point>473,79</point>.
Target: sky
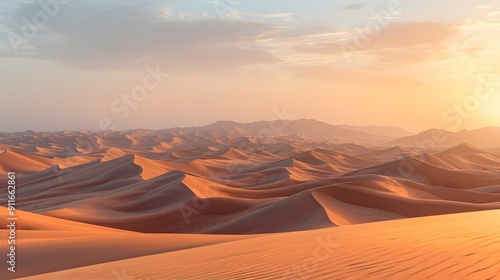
<point>72,65</point>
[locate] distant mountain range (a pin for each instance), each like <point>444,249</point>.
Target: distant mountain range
<point>382,136</point>
<point>386,131</point>
<point>390,136</point>
<point>310,128</point>
<point>484,138</point>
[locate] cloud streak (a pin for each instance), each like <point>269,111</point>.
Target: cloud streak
<point>353,7</point>
<point>397,42</point>
<point>125,34</point>
<point>120,35</point>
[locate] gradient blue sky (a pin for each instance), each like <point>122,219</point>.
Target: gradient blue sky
<point>243,60</point>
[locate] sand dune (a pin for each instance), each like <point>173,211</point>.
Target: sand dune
<point>460,246</point>
<point>50,244</point>
<point>129,186</point>
<point>22,162</point>
<point>83,192</point>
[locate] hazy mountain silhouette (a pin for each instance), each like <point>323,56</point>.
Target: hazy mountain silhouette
<point>483,138</point>
<point>386,131</point>
<point>309,128</point>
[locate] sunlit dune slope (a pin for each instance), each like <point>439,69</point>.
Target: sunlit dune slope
<point>227,181</point>
<point>460,246</point>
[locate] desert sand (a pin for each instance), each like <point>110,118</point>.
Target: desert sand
<point>458,246</point>
<point>223,203</point>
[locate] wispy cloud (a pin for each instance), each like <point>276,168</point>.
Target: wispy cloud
<point>353,7</point>
<point>397,42</point>
<point>279,15</point>
<point>123,34</point>
<point>116,35</point>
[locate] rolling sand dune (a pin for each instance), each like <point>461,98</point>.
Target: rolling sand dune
<point>21,162</point>
<point>460,246</point>
<point>180,189</point>
<point>49,244</point>
<point>153,189</point>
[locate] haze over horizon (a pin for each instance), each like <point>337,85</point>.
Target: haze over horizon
<point>93,64</point>
<point>250,122</point>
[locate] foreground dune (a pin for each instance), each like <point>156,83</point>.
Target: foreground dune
<point>459,246</point>
<point>48,244</point>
